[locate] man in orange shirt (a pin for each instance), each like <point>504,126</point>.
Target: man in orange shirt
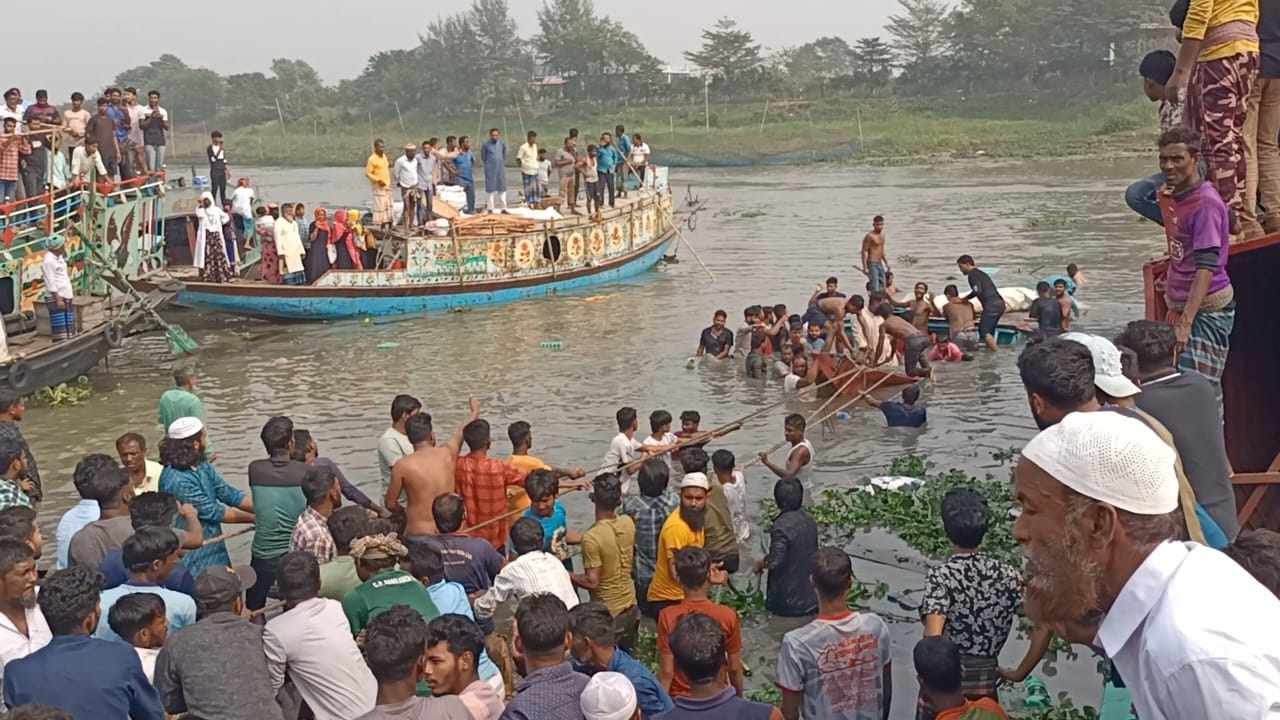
<point>693,567</point>
<point>482,482</point>
<point>521,438</point>
<point>937,662</point>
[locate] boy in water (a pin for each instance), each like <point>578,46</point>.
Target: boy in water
<point>1046,311</point>
<point>814,343</point>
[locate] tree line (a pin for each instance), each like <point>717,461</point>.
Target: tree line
<point>477,58</point>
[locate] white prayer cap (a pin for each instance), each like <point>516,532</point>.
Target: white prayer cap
<point>695,480</point>
<point>1111,458</point>
<point>1108,373</point>
<point>184,428</point>
<point>609,696</point>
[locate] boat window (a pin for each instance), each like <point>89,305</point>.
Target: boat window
<point>551,249</point>
<point>8,297</point>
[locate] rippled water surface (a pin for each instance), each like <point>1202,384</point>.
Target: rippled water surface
<point>768,235</point>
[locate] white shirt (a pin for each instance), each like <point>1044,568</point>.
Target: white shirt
<point>313,643</point>
<point>544,171</point>
<point>668,439</point>
<point>242,201</point>
<point>392,446</point>
<point>531,573</point>
<point>622,450</point>
<point>805,475</point>
<point>406,171</point>
<point>82,164</point>
<point>211,218</point>
<point>528,157</point>
<point>791,383</point>
<point>14,645</point>
<point>136,113</point>
<point>288,244</point>
<point>148,658</point>
<point>639,154</point>
<point>1195,636</point>
<point>53,268</point>
<point>736,493</point>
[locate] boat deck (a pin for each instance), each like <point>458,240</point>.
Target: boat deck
<point>94,312</point>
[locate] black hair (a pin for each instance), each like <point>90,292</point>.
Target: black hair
<point>911,395</point>
<point>856,301</point>
<point>658,418</point>
<point>18,522</point>
<point>69,596</point>
<point>1178,13</point>
<point>299,575</point>
<point>131,437</point>
<point>526,535</point>
<point>426,563</point>
<point>276,434</point>
<point>301,441</point>
<point>693,459</point>
<point>316,484</point>
<point>654,476</point>
<point>832,573</point>
<point>105,486</point>
<point>542,623</point>
<point>77,95</point>
<point>216,134</point>
<point>1058,370</point>
<point>788,494</point>
<point>87,468</point>
<point>476,433</point>
<point>418,428</point>
<point>593,621</point>
<point>693,566</point>
<point>606,492</point>
<point>626,417</point>
<point>794,421</point>
<point>12,552</point>
<point>1258,551</point>
<point>180,453</point>
<point>448,510</point>
<point>394,642</point>
<point>965,516</point>
<point>722,460</point>
<point>146,546</point>
<point>1042,287</point>
<point>518,433</point>
<point>1151,341</point>
<point>951,291</point>
<point>346,524</point>
<point>459,633</point>
<point>937,662</point>
<point>133,612</point>
<point>403,405</point>
<point>156,93</point>
<point>1181,135</point>
<point>541,484</point>
<point>965,260</point>
<point>10,451</point>
<point>698,645</point>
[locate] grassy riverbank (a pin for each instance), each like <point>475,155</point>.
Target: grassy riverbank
<point>879,130</point>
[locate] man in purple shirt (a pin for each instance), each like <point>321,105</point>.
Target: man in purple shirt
<point>1198,291</point>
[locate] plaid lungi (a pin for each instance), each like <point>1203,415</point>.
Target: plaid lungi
<point>1210,342</point>
<point>978,678</point>
<point>62,321</point>
<point>382,206</point>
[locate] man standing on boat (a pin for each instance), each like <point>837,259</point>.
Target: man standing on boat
<point>464,164</point>
<point>494,156</point>
<point>1201,301</point>
<point>874,263</point>
<point>528,157</point>
<point>378,169</point>
<point>406,174</point>
<point>57,289</point>
<point>982,287</point>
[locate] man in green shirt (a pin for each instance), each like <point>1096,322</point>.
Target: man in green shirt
<point>338,576</point>
<point>181,400</point>
<point>721,538</point>
<point>276,485</point>
<point>385,585</point>
<point>608,554</point>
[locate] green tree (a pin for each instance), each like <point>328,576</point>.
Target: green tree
<point>814,66</point>
<point>597,56</point>
<point>504,67</point>
<point>729,55</point>
<point>191,94</point>
<point>875,61</point>
<point>919,32</point>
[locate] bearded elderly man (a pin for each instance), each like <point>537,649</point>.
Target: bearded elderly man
<point>1190,631</point>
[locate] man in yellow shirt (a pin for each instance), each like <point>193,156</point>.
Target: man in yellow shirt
<point>683,528</point>
<point>608,554</point>
<point>1217,66</point>
<point>521,437</point>
<point>378,169</point>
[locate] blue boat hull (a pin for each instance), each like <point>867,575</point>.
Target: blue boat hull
<point>328,303</point>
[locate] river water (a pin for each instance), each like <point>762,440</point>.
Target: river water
<point>768,235</point>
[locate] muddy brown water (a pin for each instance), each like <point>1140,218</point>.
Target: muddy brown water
<point>768,235</point>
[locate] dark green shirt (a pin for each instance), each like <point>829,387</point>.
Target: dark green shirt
<point>384,591</point>
<point>720,538</point>
<point>276,484</point>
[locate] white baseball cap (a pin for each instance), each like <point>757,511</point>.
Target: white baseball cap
<point>1111,458</point>
<point>184,427</point>
<point>1108,373</point>
<point>608,696</point>
<point>695,480</point>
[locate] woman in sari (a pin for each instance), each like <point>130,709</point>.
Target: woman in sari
<point>231,236</point>
<point>211,252</point>
<point>265,227</point>
<point>346,255</point>
<point>317,259</point>
<point>361,239</point>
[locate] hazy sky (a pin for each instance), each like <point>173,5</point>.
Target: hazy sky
<point>95,41</point>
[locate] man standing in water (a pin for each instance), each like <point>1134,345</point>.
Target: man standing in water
<point>394,443</point>
<point>874,263</point>
<point>799,457</point>
<point>921,307</point>
<point>1202,307</point>
<point>425,474</point>
<point>915,355</point>
<point>984,289</point>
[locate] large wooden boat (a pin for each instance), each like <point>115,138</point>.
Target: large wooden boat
<point>463,267</point>
<point>1251,382</point>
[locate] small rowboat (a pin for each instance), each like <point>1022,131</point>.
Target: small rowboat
<point>885,382</point>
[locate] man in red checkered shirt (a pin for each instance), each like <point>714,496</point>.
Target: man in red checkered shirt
<point>482,482</point>
<point>11,146</point>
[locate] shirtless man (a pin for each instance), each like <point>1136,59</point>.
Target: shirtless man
<point>961,319</point>
<point>874,263</point>
<point>836,308</point>
<point>915,353</point>
<point>424,474</point>
<point>921,307</point>
<point>1065,303</point>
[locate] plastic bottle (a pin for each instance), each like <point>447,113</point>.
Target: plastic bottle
<point>842,416</point>
<point>1037,694</point>
<point>551,345</point>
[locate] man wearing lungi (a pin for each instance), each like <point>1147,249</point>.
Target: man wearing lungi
<point>57,288</point>
<point>378,170</point>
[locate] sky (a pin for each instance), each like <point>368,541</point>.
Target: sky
<point>338,36</point>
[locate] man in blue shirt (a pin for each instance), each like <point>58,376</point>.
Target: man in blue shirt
<point>624,149</point>
<point>608,160</point>
<point>902,414</point>
<point>150,555</point>
<point>594,650</point>
<point>465,164</point>
<point>85,511</point>
<point>86,676</point>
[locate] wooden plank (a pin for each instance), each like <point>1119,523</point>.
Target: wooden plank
<point>1262,478</point>
<point>1251,505</point>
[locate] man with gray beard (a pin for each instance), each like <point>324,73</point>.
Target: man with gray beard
<point>1192,634</point>
<point>23,629</point>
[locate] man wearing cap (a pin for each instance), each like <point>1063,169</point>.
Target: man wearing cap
<point>1189,630</point>
<point>609,695</point>
<point>383,584</point>
<point>57,288</point>
<point>217,668</point>
<point>685,527</point>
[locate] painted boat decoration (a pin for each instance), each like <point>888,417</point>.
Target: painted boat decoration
<point>458,269</point>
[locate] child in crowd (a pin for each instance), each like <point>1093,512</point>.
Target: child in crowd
<point>814,342</point>
<point>796,336</point>
<point>937,662</point>
<point>140,620</point>
<point>544,173</point>
<point>591,179</point>
<point>543,488</point>
<point>660,435</point>
<point>735,489</point>
<point>944,350</point>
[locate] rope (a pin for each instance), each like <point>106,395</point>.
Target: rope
<point>226,536</point>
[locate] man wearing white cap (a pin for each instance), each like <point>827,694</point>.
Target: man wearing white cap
<point>1192,634</point>
<point>190,478</point>
<point>685,527</point>
<point>1108,373</point>
<point>610,696</point>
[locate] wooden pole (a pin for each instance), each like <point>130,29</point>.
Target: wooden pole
<point>862,144</point>
<point>671,122</point>
<point>706,103</point>
<point>764,115</point>
<point>523,131</point>
<point>280,114</point>
<point>371,133</point>
<point>399,116</point>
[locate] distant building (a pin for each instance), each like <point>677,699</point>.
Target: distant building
<point>1145,38</point>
